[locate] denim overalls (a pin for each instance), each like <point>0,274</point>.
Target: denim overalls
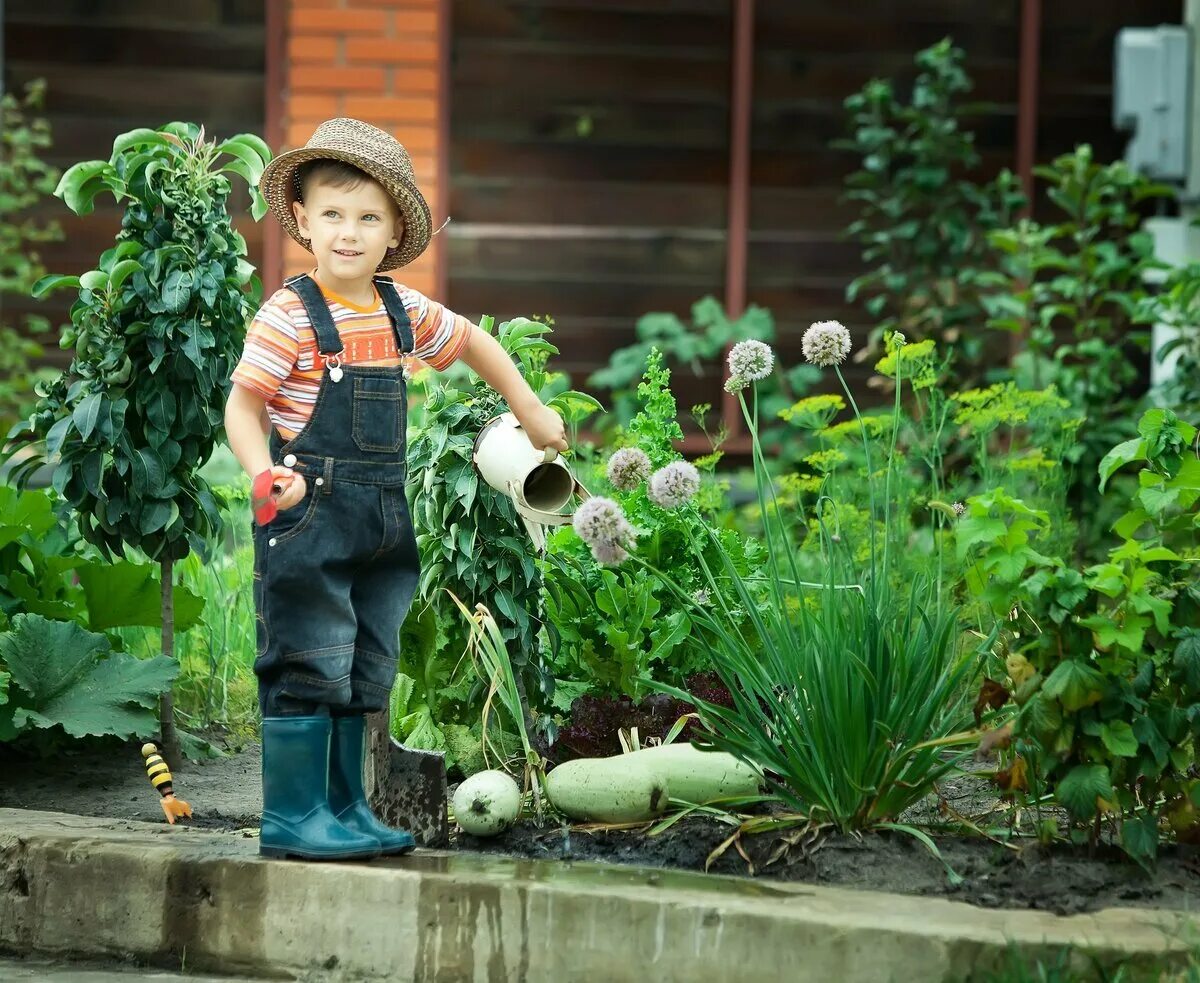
<point>335,574</point>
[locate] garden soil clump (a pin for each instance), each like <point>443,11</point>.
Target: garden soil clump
<point>226,793</point>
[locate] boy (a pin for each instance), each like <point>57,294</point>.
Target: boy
<point>336,569</point>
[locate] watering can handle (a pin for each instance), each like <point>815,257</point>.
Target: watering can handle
<point>549,455</point>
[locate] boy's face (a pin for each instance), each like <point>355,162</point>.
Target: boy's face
<point>350,229</point>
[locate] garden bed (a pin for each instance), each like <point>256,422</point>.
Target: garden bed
<point>225,794</point>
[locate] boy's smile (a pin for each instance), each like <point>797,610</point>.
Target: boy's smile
<point>350,231</point>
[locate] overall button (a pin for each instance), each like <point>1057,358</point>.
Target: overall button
<point>289,461</point>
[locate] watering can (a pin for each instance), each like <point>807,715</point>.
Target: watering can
<point>539,483</point>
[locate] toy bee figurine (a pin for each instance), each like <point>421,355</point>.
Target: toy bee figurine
<point>160,777</point>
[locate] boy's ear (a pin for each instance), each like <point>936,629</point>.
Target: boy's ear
<point>301,219</point>
<point>397,234</point>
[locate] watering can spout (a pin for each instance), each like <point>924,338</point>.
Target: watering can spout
<point>539,482</point>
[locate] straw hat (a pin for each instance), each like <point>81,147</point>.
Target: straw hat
<point>370,149</point>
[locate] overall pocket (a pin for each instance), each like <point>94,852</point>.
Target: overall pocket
<point>379,414</point>
<point>293,521</point>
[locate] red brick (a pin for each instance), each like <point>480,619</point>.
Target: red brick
<point>310,106</point>
<point>312,49</point>
<point>339,21</point>
<point>336,78</point>
<point>414,81</point>
<point>385,51</point>
<point>376,107</point>
<point>417,140</point>
<point>421,22</point>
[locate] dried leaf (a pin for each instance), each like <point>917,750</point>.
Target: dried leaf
<point>992,695</point>
<point>1014,778</point>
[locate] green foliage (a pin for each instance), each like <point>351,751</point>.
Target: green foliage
<point>615,628</point>
<point>923,222</point>
<point>24,180</point>
<point>156,331</point>
<point>1177,305</point>
<point>1075,288</point>
<point>471,541</point>
<point>1103,665</point>
<point>62,675</point>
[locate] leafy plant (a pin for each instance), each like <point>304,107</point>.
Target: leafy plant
<point>614,628</point>
<point>1105,672</point>
<point>1177,306</point>
<point>923,222</point>
<point>24,180</point>
<point>57,674</point>
<point>471,541</point>
<point>156,331</point>
<point>1076,287</point>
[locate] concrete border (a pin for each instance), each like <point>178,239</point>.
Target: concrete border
<point>100,889</point>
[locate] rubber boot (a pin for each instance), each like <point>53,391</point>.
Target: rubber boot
<point>297,820</point>
<point>347,798</point>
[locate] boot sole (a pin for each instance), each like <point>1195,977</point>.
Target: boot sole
<point>282,853</point>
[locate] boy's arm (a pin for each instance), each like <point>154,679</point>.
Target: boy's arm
<point>244,415</point>
<point>491,363</point>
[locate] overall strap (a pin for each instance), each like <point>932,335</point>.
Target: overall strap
<point>315,305</point>
<point>395,308</point>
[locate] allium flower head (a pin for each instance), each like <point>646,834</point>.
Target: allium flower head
<point>628,468</point>
<point>609,554</point>
<point>959,509</point>
<point>826,343</point>
<point>702,597</point>
<point>673,485</point>
<point>600,522</point>
<point>735,384</point>
<point>751,360</point>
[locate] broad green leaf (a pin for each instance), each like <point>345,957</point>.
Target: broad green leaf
<point>1119,456</point>
<point>94,280</point>
<point>140,137</point>
<point>87,413</point>
<point>1139,836</point>
<point>1117,736</point>
<point>80,184</point>
<point>71,679</point>
<point>54,281</point>
<point>122,271</point>
<point>1081,789</point>
<point>4,678</point>
<point>250,158</point>
<point>1074,684</point>
<point>124,594</point>
<point>1187,657</point>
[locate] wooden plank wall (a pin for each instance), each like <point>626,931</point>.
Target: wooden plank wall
<point>589,147</point>
<point>113,66</point>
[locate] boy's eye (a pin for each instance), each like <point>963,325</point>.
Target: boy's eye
<point>329,213</point>
<point>373,218</point>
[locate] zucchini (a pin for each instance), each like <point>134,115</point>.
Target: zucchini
<point>697,776</point>
<point>607,790</point>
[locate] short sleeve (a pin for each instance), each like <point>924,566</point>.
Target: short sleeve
<point>272,347</point>
<point>439,335</point>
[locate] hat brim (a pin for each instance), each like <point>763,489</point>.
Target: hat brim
<point>279,187</point>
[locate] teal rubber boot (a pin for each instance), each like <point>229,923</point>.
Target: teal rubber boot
<point>297,820</point>
<point>347,798</point>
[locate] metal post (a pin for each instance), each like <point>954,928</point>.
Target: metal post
<point>739,185</point>
<point>274,109</point>
<point>1027,95</point>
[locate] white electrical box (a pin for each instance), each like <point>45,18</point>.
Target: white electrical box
<point>1151,98</point>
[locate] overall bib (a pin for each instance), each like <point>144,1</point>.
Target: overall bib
<point>334,575</point>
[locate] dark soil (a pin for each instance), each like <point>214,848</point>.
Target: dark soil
<point>226,794</point>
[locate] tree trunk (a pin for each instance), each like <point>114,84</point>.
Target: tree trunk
<point>171,750</point>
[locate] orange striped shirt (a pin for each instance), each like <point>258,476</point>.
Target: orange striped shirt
<point>280,361</point>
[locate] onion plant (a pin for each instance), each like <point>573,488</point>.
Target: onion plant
<point>852,697</point>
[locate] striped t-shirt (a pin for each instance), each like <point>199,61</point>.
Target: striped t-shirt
<point>282,365</point>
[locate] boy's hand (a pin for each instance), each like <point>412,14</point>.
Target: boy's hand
<point>543,426</point>
<point>276,491</point>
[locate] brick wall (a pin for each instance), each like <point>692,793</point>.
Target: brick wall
<point>378,61</point>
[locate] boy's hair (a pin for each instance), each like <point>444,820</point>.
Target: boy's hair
<point>331,173</point>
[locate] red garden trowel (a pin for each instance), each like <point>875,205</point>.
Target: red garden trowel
<point>539,482</point>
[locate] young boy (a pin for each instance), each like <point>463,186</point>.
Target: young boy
<point>336,569</point>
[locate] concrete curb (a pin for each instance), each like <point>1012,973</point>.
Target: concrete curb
<point>90,888</point>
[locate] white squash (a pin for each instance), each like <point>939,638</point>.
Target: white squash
<point>607,790</point>
<point>697,776</point>
<point>487,803</point>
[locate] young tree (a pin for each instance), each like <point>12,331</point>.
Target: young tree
<point>156,332</point>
